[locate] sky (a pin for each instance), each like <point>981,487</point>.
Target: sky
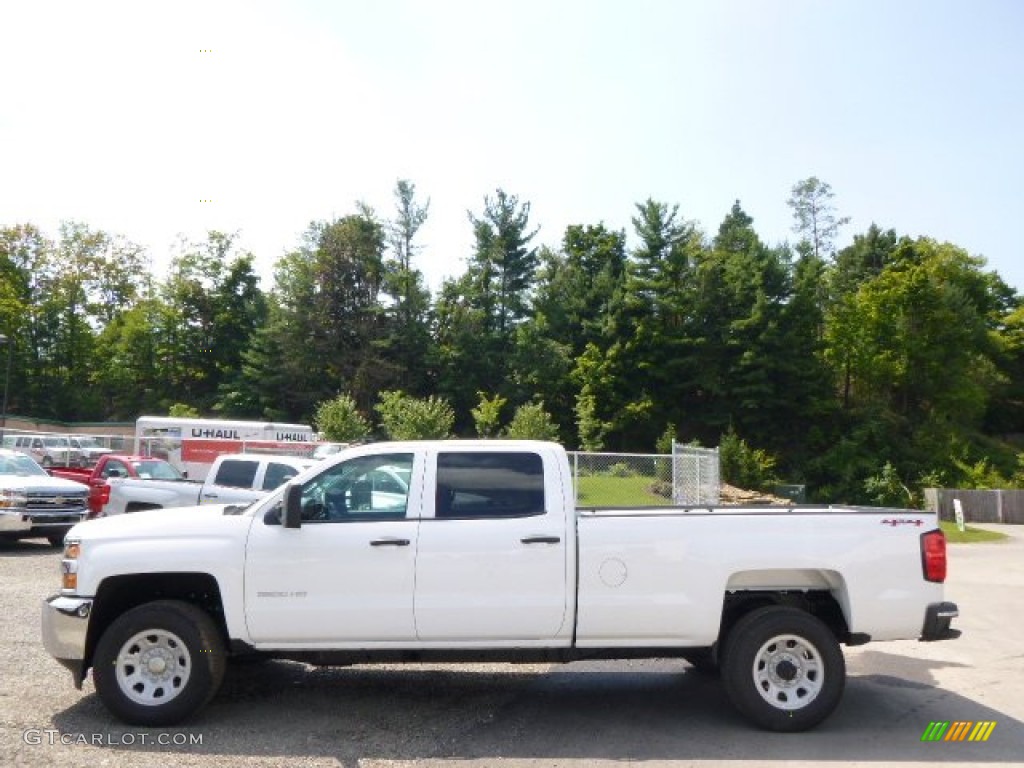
<point>154,120</point>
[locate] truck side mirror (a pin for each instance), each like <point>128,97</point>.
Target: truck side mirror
<point>291,513</point>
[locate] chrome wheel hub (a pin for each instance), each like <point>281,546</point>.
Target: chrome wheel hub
<point>153,667</point>
<point>788,672</point>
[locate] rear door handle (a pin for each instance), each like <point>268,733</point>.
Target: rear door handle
<point>389,543</point>
<point>541,540</point>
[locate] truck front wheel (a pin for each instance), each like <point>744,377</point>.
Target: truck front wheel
<point>159,663</point>
<point>783,669</point>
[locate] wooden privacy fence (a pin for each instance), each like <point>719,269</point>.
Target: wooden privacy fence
<point>979,506</point>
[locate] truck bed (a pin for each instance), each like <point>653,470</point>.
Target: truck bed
<point>760,509</point>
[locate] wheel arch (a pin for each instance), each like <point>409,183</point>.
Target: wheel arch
<point>118,594</point>
<point>141,506</point>
<point>820,603</point>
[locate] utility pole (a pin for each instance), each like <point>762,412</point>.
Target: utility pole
<point>9,343</point>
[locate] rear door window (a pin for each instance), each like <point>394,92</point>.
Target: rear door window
<point>237,473</point>
<point>486,484</point>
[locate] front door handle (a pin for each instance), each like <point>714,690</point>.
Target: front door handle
<point>389,543</point>
<point>541,540</point>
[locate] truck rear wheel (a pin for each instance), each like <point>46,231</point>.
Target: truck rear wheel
<point>783,669</point>
<point>159,663</point>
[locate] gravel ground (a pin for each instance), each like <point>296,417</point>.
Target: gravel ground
<point>611,713</point>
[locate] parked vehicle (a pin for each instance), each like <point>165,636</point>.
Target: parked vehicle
<point>89,448</point>
<point>35,505</point>
<point>48,450</point>
<point>245,477</point>
<point>470,550</point>
<point>192,445</point>
<point>120,483</point>
<point>326,450</point>
<point>112,466</point>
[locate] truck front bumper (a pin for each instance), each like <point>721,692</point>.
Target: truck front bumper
<point>937,620</point>
<point>65,626</point>
<point>14,521</point>
<point>22,521</point>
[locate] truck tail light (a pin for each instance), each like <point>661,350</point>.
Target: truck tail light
<point>100,497</point>
<point>933,555</point>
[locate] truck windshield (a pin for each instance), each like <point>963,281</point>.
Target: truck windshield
<point>156,470</point>
<point>19,465</point>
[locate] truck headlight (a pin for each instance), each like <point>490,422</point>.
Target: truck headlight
<point>13,498</point>
<point>69,565</point>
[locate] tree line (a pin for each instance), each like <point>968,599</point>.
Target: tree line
<point>866,372</point>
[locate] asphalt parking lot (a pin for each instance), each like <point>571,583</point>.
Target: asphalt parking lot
<point>610,713</point>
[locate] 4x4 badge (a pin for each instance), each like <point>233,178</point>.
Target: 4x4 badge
<point>894,521</point>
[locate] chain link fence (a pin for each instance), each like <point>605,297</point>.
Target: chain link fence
<point>689,476</point>
<point>697,479</point>
<point>59,449</point>
<point>621,479</point>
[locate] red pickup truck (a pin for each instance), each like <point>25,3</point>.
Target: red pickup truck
<point>115,465</point>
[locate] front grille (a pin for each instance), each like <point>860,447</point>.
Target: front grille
<point>50,501</point>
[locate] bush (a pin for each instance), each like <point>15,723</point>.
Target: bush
<point>745,467</point>
<point>621,470</point>
<point>532,422</point>
<point>666,446</point>
<point>339,420</point>
<point>887,490</point>
<point>411,418</point>
<point>589,426</point>
<point>487,415</point>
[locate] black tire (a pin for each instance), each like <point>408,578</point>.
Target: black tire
<point>56,540</point>
<point>185,650</point>
<point>704,661</point>
<point>783,669</point>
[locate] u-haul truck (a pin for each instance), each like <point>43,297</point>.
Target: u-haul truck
<point>192,445</point>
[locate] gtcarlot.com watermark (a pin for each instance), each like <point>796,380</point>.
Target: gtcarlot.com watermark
<point>51,737</point>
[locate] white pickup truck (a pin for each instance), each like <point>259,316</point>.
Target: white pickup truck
<point>473,550</point>
<point>34,504</point>
<point>233,479</point>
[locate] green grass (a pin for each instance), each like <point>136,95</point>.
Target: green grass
<point>606,491</point>
<point>970,535</point>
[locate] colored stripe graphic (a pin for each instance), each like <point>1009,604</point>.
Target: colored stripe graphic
<point>958,730</point>
<point>982,730</point>
<point>935,731</point>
